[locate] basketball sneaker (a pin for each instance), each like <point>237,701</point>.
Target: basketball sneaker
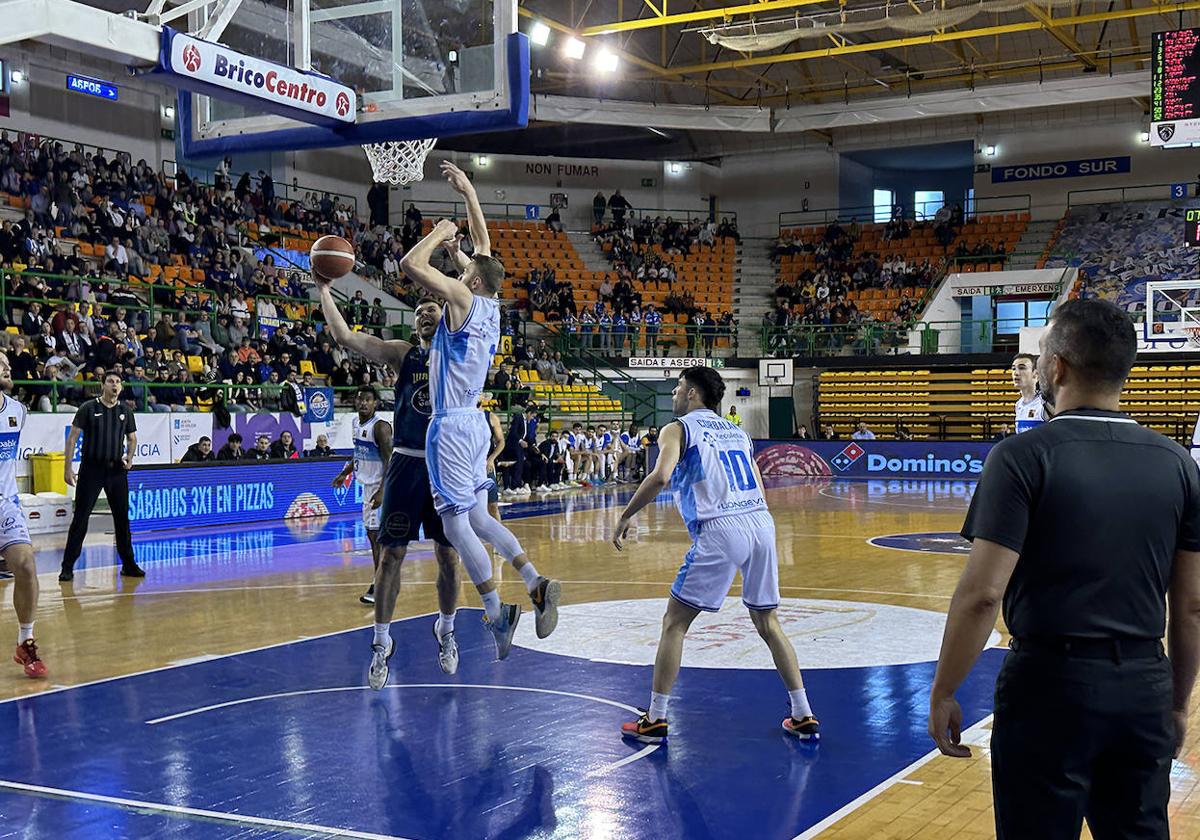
<point>645,730</point>
<point>504,628</point>
<point>447,651</point>
<point>368,597</point>
<point>807,728</point>
<point>545,598</point>
<point>377,676</point>
<point>27,657</point>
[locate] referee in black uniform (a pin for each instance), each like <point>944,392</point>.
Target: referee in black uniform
<point>1083,528</point>
<point>109,441</point>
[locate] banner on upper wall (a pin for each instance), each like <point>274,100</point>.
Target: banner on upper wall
<point>872,458</point>
<point>230,494</point>
<point>1088,168</point>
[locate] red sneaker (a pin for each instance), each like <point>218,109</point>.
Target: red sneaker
<point>645,730</point>
<point>27,657</point>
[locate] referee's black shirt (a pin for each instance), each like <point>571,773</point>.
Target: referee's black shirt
<point>1096,506</point>
<point>104,430</point>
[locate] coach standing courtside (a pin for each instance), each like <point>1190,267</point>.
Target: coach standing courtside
<point>1084,526</point>
<point>109,441</point>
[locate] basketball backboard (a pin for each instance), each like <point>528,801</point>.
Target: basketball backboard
<point>1172,314</point>
<point>419,68</point>
<point>773,372</point>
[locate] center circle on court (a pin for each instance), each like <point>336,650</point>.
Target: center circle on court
<point>827,634</point>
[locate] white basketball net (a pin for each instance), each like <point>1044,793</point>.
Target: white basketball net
<point>399,161</point>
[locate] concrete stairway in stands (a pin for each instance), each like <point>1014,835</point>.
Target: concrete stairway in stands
<point>589,252</point>
<point>756,278</point>
<point>1032,244</point>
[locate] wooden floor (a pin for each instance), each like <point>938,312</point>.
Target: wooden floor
<point>209,600</point>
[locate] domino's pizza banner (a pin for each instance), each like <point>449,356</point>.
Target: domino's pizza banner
<point>200,495</point>
<point>872,458</point>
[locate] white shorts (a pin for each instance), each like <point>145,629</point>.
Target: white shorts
<point>456,448</point>
<point>13,528</point>
<point>724,547</point>
<point>370,514</point>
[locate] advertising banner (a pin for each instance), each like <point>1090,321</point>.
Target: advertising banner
<point>318,405</point>
<point>201,495</point>
<point>48,433</point>
<point>872,458</point>
<point>186,429</point>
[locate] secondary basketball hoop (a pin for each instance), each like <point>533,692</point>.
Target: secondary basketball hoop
<point>399,161</point>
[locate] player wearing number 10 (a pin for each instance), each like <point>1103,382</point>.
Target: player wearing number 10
<point>709,463</point>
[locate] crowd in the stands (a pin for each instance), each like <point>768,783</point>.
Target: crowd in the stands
<point>248,323</point>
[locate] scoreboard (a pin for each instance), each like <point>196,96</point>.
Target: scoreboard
<point>1191,228</point>
<point>1175,95</point>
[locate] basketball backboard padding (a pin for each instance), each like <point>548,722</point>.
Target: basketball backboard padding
<point>339,102</point>
<point>463,120</point>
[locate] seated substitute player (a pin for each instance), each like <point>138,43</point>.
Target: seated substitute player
<point>709,464</point>
<point>15,546</point>
<point>459,438</point>
<point>372,449</point>
<point>629,464</point>
<point>407,503</point>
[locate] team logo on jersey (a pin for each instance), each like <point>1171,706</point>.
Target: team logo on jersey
<point>396,525</point>
<point>844,459</point>
<point>12,422</point>
<point>420,401</point>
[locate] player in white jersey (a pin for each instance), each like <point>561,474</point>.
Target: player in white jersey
<point>458,440</point>
<point>15,546</point>
<point>631,451</point>
<point>709,464</point>
<point>372,449</point>
<point>607,450</point>
<point>1031,408</point>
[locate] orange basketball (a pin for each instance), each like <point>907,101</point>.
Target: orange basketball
<point>332,257</point>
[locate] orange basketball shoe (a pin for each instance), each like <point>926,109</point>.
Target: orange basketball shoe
<point>27,657</point>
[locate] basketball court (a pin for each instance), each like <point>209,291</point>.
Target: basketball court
<point>225,695</point>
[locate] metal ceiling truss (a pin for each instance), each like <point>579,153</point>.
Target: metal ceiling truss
<point>656,14</point>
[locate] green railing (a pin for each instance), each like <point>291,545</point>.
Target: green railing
<point>516,211</point>
<point>635,396</point>
<point>293,192</point>
<point>1121,195</point>
<point>865,214</point>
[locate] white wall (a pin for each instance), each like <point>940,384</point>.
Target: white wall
<point>761,186</point>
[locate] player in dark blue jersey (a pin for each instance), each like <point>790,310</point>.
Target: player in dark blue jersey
<point>407,498</point>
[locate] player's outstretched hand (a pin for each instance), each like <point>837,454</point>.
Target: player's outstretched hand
<point>620,533</point>
<point>458,180</point>
<point>453,245</point>
<point>321,282</point>
<point>446,229</point>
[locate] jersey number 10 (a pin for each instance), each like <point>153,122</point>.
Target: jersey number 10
<point>738,469</point>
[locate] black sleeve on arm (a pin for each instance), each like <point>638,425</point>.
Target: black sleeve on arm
<point>1189,522</point>
<point>130,423</point>
<point>81,417</point>
<point>1003,501</point>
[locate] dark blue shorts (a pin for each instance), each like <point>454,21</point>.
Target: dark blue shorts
<point>408,504</point>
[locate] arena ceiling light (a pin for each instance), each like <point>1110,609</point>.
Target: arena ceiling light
<point>17,77</point>
<point>607,61</point>
<point>990,151</point>
<point>574,48</point>
<point>539,33</point>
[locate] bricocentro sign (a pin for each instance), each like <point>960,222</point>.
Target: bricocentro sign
<point>206,67</point>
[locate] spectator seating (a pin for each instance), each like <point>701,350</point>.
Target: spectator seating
<point>974,403</point>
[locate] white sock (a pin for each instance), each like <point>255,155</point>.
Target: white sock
<point>530,576</point>
<point>658,706</point>
<point>800,707</point>
<point>491,605</point>
<point>25,633</point>
<point>381,634</point>
<point>445,624</point>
